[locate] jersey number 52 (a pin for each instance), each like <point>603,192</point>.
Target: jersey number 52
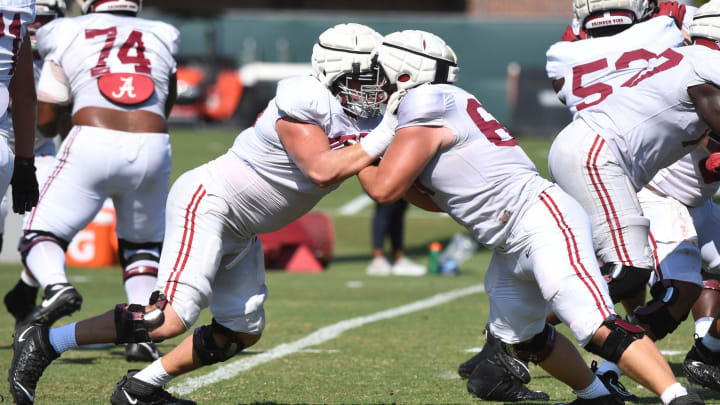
<point>671,57</point>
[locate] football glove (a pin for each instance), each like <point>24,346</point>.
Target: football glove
<point>24,185</point>
<point>570,36</point>
<point>710,168</point>
<point>672,9</point>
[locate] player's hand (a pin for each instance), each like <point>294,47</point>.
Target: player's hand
<point>375,143</point>
<point>672,9</point>
<point>24,185</point>
<point>710,168</point>
<point>570,36</point>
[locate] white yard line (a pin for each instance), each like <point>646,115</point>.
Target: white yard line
<point>322,335</point>
<point>355,205</point>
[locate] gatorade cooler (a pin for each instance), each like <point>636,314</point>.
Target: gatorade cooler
<point>96,245</point>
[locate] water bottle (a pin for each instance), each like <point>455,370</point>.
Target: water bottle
<point>434,262</point>
<point>460,248</point>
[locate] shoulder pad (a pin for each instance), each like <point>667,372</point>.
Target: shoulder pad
<point>54,37</point>
<point>168,34</point>
<point>423,105</point>
<point>303,98</point>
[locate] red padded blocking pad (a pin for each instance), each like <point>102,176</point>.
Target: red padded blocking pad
<point>305,245</point>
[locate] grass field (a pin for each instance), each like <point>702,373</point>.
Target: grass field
<point>340,337</point>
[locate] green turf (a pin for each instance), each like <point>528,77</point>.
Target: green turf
<point>410,359</point>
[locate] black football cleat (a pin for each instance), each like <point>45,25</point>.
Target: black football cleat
<point>702,366</point>
<point>60,300</point>
<point>609,399</point>
<point>466,368</point>
<point>20,301</point>
<point>492,382</point>
<point>612,382</point>
<point>690,399</point>
<point>32,354</point>
<point>146,352</point>
<point>131,391</point>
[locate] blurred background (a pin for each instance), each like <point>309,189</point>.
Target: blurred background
<point>233,52</point>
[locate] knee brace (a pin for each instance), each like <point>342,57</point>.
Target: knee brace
<point>624,281</point>
<point>538,349</point>
<point>32,237</point>
<point>622,334</point>
<point>207,349</point>
<point>711,284</point>
<point>133,324</point>
<point>655,313</point>
<point>139,259</point>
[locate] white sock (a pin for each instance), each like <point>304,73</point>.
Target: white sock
<point>608,366</point>
<point>711,342</point>
<point>594,390</point>
<point>672,392</point>
<point>702,325</point>
<point>27,279</point>
<point>48,261</point>
<point>62,339</point>
<point>154,374</point>
<point>139,288</point>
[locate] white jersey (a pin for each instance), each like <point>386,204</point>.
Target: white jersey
<point>593,68</point>
<point>305,99</point>
<point>650,122</point>
<point>484,180</point>
<point>683,181</point>
<point>96,45</point>
<point>15,15</point>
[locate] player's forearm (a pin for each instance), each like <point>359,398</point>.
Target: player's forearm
<point>24,99</point>
<point>420,200</point>
<point>23,114</point>
<point>334,166</point>
<point>378,188</point>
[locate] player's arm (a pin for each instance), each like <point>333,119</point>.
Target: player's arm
<point>420,199</point>
<point>24,99</point>
<point>172,94</point>
<point>406,157</point>
<point>706,98</point>
<point>308,146</point>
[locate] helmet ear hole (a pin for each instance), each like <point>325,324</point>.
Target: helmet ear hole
<point>403,77</point>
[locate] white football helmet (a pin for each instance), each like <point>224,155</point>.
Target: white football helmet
<point>99,6</point>
<point>45,11</point>
<point>411,58</point>
<point>601,11</point>
<point>706,21</point>
<point>341,60</point>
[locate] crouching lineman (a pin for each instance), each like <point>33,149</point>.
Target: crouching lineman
<point>450,154</point>
<point>656,115</point>
<point>118,73</point>
<point>585,71</point>
<point>275,172</point>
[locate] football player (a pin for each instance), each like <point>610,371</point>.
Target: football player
<point>653,118</point>
<point>17,82</point>
<point>582,72</point>
<point>302,146</point>
<point>450,154</point>
<point>21,299</point>
<point>678,200</point>
<point>118,73</point>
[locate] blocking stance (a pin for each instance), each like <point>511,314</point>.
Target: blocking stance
<point>302,146</point>
<point>450,154</point>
